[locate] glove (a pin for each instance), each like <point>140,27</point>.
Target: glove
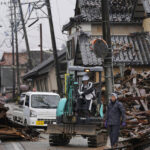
<point>123,124</point>
<point>105,124</point>
<point>81,93</point>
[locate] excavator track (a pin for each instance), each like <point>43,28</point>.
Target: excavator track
<point>58,140</point>
<point>97,140</point>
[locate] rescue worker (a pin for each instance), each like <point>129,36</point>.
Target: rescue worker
<point>115,111</point>
<point>86,96</point>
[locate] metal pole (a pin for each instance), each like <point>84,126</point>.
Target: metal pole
<point>17,57</point>
<point>13,49</point>
<point>108,59</point>
<point>59,85</point>
<point>100,86</point>
<point>26,37</point>
<point>41,42</point>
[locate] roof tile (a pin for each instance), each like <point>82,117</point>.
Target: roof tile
<point>130,49</point>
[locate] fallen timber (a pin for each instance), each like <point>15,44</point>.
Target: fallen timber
<point>134,92</point>
<point>3,110</point>
<point>10,130</point>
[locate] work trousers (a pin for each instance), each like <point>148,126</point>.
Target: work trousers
<point>114,134</point>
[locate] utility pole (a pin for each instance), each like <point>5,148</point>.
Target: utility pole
<point>41,42</point>
<point>17,57</point>
<point>13,50</point>
<point>108,59</point>
<point>26,37</point>
<point>59,85</point>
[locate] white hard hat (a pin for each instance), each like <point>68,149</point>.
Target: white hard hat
<point>85,78</point>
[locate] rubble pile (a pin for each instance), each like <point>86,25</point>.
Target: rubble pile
<point>3,110</point>
<point>134,91</point>
<point>9,130</point>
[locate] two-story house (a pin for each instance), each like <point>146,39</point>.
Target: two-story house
<point>130,27</point>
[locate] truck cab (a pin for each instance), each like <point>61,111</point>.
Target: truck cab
<point>38,109</point>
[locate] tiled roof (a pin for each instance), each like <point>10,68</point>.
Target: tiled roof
<point>131,49</point>
<point>88,57</point>
<point>121,11</point>
<point>36,57</point>
<point>43,64</point>
<point>23,57</point>
<point>7,58</point>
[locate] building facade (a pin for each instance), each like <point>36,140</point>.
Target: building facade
<point>43,76</point>
<point>130,27</point>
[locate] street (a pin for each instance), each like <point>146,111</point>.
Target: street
<point>42,144</point>
<point>74,67</point>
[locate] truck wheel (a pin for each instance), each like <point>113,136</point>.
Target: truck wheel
<point>59,140</point>
<point>97,140</point>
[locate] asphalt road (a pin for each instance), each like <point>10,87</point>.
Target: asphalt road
<point>42,144</point>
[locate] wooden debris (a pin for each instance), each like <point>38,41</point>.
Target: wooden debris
<point>3,110</point>
<point>9,130</point>
<point>134,92</point>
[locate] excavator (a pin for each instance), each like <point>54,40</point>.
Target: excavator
<point>68,122</point>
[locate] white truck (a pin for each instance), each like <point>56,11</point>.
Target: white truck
<point>38,109</point>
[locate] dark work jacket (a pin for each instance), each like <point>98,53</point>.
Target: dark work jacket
<point>114,113</point>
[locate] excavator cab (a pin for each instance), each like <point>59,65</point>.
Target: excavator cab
<point>69,121</point>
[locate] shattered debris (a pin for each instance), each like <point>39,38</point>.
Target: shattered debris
<point>134,92</point>
<point>3,110</point>
<point>9,130</point>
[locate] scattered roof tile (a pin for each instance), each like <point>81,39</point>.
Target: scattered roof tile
<point>130,49</point>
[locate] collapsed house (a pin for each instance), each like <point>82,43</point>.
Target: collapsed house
<point>134,92</point>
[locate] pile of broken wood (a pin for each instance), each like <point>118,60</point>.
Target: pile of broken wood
<point>9,130</point>
<point>3,110</point>
<point>134,91</point>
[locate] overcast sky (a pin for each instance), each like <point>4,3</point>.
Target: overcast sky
<point>62,10</point>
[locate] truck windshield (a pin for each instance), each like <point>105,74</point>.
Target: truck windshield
<point>44,101</point>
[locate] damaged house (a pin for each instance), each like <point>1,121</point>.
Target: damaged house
<point>130,27</point>
<point>130,37</point>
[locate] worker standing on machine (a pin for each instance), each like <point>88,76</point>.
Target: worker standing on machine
<point>86,96</point>
<point>115,111</point>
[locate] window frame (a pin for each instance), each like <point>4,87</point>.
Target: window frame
<point>27,96</point>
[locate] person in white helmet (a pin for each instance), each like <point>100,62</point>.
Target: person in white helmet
<point>86,96</point>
